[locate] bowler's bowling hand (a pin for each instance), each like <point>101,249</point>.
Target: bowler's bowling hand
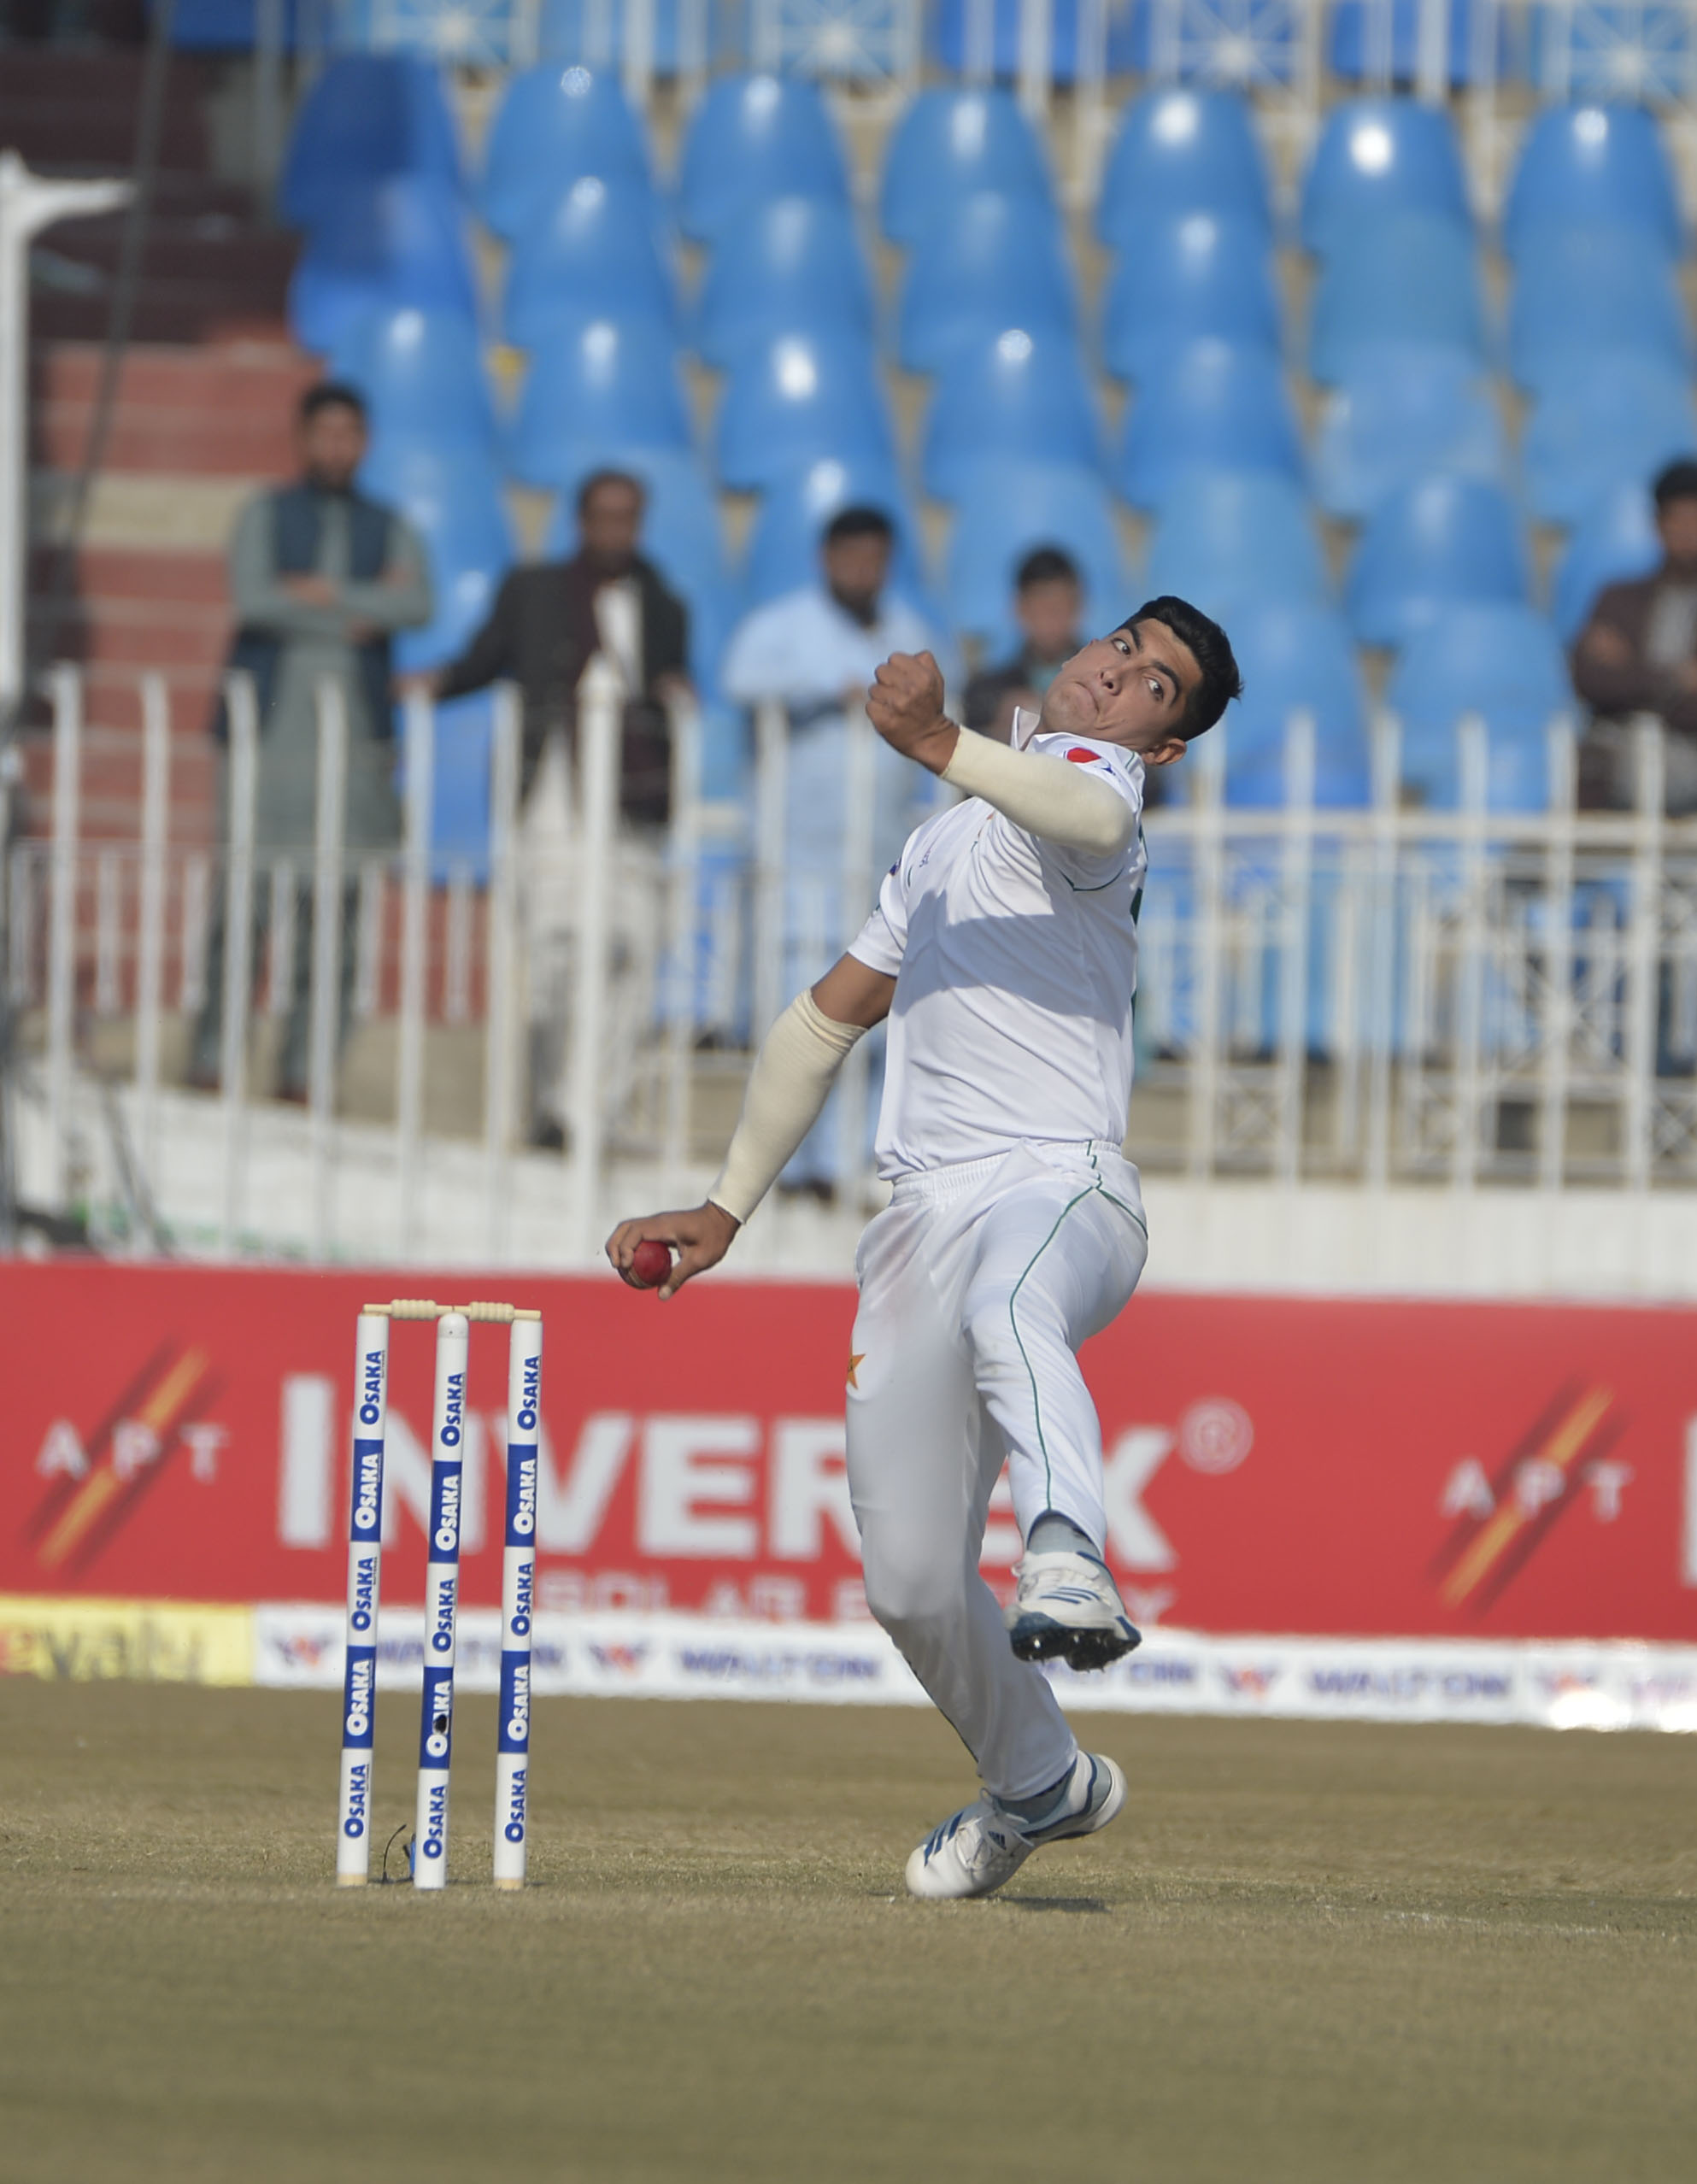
<point>905,705</point>
<point>700,1236</point>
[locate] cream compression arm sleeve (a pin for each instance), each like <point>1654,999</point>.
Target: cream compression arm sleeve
<point>788,1085</point>
<point>1060,801</point>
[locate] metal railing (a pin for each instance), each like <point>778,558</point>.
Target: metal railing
<point>1387,994</point>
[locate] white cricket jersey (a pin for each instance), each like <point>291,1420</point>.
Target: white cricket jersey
<point>1015,962</point>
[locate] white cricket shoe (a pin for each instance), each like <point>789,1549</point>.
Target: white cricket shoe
<point>1068,1608</point>
<point>984,1845</point>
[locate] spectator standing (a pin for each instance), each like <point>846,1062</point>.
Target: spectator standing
<point>815,651</point>
<point>549,619</point>
<point>1638,654</point>
<point>1049,603</point>
<point>320,578</point>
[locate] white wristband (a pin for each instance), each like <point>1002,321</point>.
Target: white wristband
<point>1047,796</point>
<point>788,1085</point>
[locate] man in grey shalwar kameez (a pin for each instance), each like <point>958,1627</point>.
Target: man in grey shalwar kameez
<point>321,577</point>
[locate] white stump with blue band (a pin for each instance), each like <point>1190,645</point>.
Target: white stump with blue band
<point>449,1424</point>
<point>442,1601</point>
<point>365,1569</point>
<point>517,1599</point>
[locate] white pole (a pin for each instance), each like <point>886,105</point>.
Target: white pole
<point>28,204</point>
<point>1386,753</point>
<point>685,865</point>
<point>330,824</point>
<point>442,1602</point>
<point>1209,944</point>
<point>1558,953</point>
<point>1432,51</point>
<point>638,57</point>
<point>601,697</point>
<point>365,1572</point>
<point>62,930</point>
<point>150,912</point>
<point>772,795</point>
<point>860,789</point>
<point>1036,44</point>
<point>241,711</point>
<point>420,740</point>
<point>500,1011</point>
<point>517,1599</point>
<point>1296,888</point>
<point>1644,953</point>
<point>1474,754</point>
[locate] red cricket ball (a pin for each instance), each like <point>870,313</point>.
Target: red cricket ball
<point>650,1263</point>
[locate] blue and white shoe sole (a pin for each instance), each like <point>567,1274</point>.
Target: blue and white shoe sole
<point>1036,1637</point>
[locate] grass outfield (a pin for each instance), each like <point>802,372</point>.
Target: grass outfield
<point>1306,1952</point>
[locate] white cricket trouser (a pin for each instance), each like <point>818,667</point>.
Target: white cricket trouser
<point>978,1285</point>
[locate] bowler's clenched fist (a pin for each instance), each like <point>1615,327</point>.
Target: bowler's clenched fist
<point>905,705</point>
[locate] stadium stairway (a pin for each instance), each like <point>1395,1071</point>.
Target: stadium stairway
<point>202,416</point>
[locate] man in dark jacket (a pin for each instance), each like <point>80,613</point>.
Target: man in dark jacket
<point>320,578</point>
<point>1638,654</point>
<point>549,619</point>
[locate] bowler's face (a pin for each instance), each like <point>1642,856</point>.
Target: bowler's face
<point>1130,687</point>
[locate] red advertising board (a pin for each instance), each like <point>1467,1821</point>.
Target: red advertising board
<point>1274,1465</point>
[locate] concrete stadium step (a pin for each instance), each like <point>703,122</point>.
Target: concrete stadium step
<point>223,409</point>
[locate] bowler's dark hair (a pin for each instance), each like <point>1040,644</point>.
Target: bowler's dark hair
<point>332,394</point>
<point>1211,648</point>
<point>1046,565</point>
<point>1678,482</point>
<point>858,523</point>
<point>598,478</point>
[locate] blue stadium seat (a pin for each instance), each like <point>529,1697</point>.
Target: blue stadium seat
<point>792,265</point>
<point>1582,291</point>
<point>396,245</point>
<point>1182,151</point>
<point>1006,511</point>
<point>597,253</point>
<point>951,144</point>
<point>452,498</point>
<point>553,125</point>
<point>784,543</point>
<point>593,34</point>
<point>369,118</point>
<point>983,262</point>
<point>1190,276</point>
<point>1019,394</point>
<point>594,387</point>
<point>1402,412</point>
<point>792,399</point>
<point>955,28</point>
<point>1431,546</point>
<point>1408,278</point>
<point>753,138</point>
<point>1375,158</point>
<point>1612,50</point>
<point>1501,660</point>
<point>422,374</point>
<point>1295,656</point>
<point>1210,406</point>
<point>1225,537</point>
<point>228,26</point>
<point>1593,166</point>
<point>1614,541</point>
<point>1615,419</point>
<point>682,533</point>
<point>1372,40</point>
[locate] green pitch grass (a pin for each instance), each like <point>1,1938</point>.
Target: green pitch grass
<point>1305,1952</point>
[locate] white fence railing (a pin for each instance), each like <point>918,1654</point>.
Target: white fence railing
<point>1375,996</point>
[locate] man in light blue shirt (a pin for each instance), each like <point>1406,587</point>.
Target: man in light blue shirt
<point>815,651</point>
